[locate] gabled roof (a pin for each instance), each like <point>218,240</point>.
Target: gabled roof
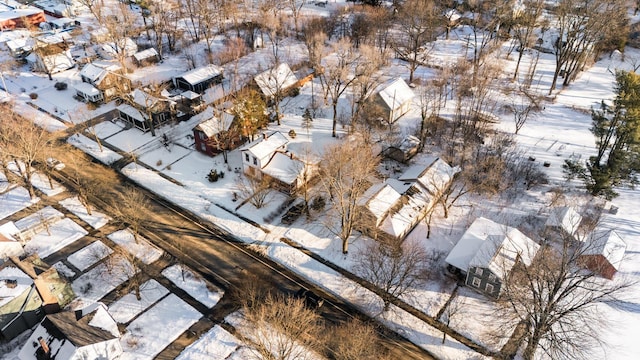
<point>212,124</point>
<point>401,221</point>
<point>379,199</point>
<point>264,148</point>
<point>65,332</point>
<point>145,54</point>
<point>275,79</point>
<point>283,167</point>
<point>201,74</point>
<point>608,244</point>
<point>96,71</point>
<point>132,112</point>
<point>54,63</point>
<point>565,218</point>
<point>125,46</point>
<point>24,44</point>
<point>394,93</point>
<point>87,89</point>
<point>434,178</point>
<point>494,246</point>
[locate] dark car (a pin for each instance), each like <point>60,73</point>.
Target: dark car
<point>311,299</point>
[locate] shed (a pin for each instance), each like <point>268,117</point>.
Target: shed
<point>276,80</point>
<point>395,97</point>
<point>198,80</point>
<point>603,252</point>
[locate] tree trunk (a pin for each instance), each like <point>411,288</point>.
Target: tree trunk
<point>335,118</point>
<point>515,73</point>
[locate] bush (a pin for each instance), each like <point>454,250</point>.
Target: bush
<point>214,175</point>
<point>33,96</point>
<point>61,86</point>
<point>318,203</point>
<point>292,134</point>
<point>295,91</point>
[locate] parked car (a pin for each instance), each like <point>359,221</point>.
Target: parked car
<point>55,164</point>
<point>311,299</point>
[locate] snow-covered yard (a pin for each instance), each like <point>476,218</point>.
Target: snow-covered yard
<point>137,246</point>
<point>89,255</point>
<point>146,336</point>
<point>99,281</point>
<point>217,343</point>
<point>58,235</point>
<point>128,306</point>
<point>193,284</point>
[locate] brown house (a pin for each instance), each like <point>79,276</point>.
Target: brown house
<point>102,81</point>
<point>215,134</point>
<point>603,253</point>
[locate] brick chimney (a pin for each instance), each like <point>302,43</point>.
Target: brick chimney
<point>44,346</point>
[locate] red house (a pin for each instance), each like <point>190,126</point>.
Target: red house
<point>603,253</point>
<point>215,134</point>
<point>15,17</point>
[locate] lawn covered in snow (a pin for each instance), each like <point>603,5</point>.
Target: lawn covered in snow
<point>89,255</point>
<point>128,306</point>
<point>59,234</point>
<point>138,246</point>
<point>147,335</point>
<point>193,284</point>
<point>15,200</point>
<point>216,343</point>
<point>96,220</point>
<point>99,281</point>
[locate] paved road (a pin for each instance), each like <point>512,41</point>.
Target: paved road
<point>216,257</point>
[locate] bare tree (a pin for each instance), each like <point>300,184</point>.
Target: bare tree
<point>582,27</point>
<point>395,267</point>
<point>120,25</point>
<point>344,172</point>
<point>315,37</point>
<point>452,309</point>
<point>339,73</point>
<point>556,300</point>
<point>23,143</point>
<point>418,24</point>
<point>523,31</point>
<point>369,77</point>
<point>254,190</point>
<point>521,105</point>
<point>295,6</point>
<point>282,328</point>
<point>355,340</point>
<point>131,208</point>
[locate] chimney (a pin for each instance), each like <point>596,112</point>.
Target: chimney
<point>44,346</point>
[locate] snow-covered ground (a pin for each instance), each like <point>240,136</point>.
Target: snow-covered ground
<point>137,246</point>
<point>217,343</point>
<point>128,306</point>
<point>143,340</point>
<point>558,132</point>
<point>89,255</point>
<point>96,219</point>
<point>193,284</point>
<point>58,235</point>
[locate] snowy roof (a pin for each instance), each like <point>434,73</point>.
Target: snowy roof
<point>145,54</point>
<point>96,71</point>
<point>608,244</point>
<point>125,46</point>
<point>65,332</point>
<point>190,95</point>
<point>284,168</point>
<point>275,79</point>
<point>212,125</point>
<point>25,44</point>
<point>379,199</point>
<point>86,88</point>
<point>201,74</point>
<point>264,148</point>
<point>144,99</point>
<point>565,218</point>
<point>132,112</point>
<point>434,178</point>
<point>400,222</point>
<point>56,62</point>
<point>21,280</point>
<point>395,93</point>
<point>408,143</point>
<point>488,244</point>
<point>19,13</point>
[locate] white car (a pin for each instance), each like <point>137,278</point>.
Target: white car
<point>55,164</point>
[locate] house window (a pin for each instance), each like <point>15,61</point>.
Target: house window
<point>203,146</point>
<point>489,288</point>
<point>479,271</point>
<point>201,134</point>
<point>255,161</point>
<point>475,282</point>
<point>492,278</point>
<point>246,157</point>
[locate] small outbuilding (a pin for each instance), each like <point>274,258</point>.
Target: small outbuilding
<point>603,252</point>
<point>198,80</point>
<point>146,57</point>
<point>395,97</point>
